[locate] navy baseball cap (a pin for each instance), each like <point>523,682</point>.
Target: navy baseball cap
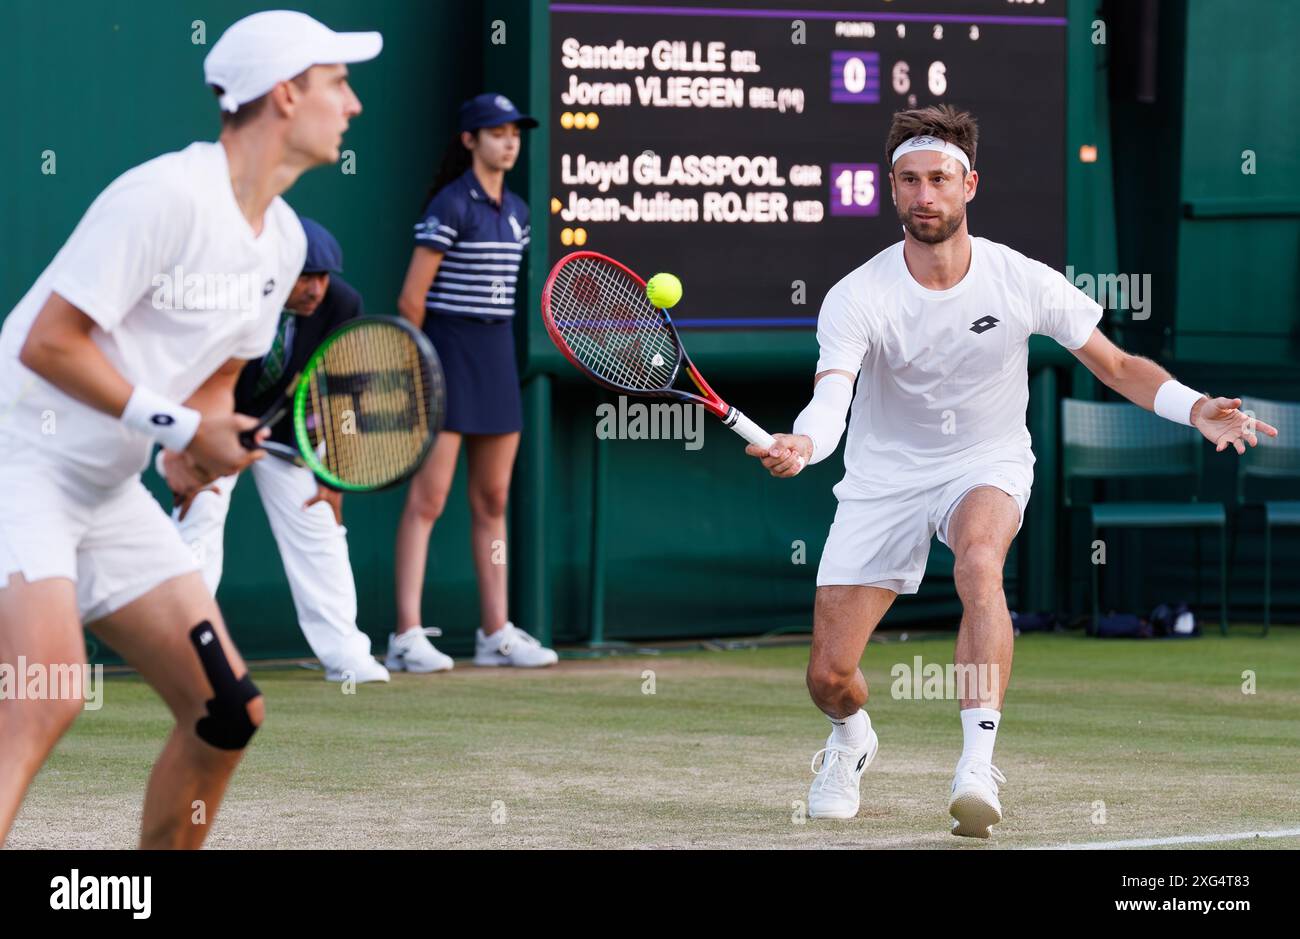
<point>323,252</point>
<point>491,110</point>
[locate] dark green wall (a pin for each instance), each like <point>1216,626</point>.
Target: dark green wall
<point>1239,235</point>
<point>1221,243</point>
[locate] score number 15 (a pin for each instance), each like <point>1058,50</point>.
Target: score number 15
<point>854,190</point>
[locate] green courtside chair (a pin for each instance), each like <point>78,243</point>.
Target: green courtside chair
<point>1105,440</point>
<point>1275,458</point>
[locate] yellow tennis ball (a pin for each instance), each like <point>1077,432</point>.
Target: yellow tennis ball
<point>664,291</point>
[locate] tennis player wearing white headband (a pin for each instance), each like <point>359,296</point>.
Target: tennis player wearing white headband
<point>935,330</point>
<point>135,335</point>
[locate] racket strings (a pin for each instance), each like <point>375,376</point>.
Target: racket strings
<point>605,319</point>
<point>369,405</point>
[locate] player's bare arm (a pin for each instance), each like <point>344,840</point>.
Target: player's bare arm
<point>1149,386</point>
<point>217,394</point>
<point>60,349</point>
<point>216,444</point>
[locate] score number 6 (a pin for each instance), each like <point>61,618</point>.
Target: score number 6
<point>937,78</point>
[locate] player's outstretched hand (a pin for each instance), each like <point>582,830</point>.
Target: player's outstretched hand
<point>1225,426</point>
<point>788,454</point>
<point>216,448</point>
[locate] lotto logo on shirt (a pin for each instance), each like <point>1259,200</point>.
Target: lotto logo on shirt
<point>188,290</point>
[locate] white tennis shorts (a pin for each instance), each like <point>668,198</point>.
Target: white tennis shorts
<point>884,541</point>
<point>116,544</point>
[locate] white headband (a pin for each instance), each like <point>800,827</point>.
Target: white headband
<point>913,144</point>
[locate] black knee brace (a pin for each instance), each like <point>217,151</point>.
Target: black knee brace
<point>227,725</point>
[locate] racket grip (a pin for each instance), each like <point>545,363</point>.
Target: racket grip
<point>249,437</point>
<point>748,429</point>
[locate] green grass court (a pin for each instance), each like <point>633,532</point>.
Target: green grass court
<point>578,756</point>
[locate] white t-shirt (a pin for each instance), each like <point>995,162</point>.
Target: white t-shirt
<point>167,266</point>
<point>944,373</point>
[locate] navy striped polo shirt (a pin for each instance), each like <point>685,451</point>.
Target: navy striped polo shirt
<point>483,244</point>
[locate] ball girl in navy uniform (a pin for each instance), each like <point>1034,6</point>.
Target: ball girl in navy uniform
<point>460,288</point>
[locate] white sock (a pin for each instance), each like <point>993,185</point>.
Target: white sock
<point>979,729</point>
<point>851,732</point>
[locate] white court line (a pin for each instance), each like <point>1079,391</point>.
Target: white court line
<point>1180,839</point>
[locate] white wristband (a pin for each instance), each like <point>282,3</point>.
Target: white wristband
<point>822,421</point>
<point>1174,402</point>
<point>172,425</point>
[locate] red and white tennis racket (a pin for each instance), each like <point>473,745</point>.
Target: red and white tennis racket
<point>597,312</point>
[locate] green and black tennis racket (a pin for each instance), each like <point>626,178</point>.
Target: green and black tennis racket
<point>365,408</point>
<point>597,313</point>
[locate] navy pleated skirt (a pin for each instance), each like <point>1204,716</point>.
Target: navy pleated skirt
<point>478,360</point>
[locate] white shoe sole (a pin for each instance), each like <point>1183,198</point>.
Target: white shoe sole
<point>973,815</point>
<point>496,663</point>
<point>873,747</point>
<point>353,672</point>
<point>832,816</point>
<point>398,665</point>
<point>360,681</point>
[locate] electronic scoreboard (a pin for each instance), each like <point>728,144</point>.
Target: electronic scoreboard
<point>740,145</point>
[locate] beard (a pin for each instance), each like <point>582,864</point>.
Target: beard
<point>932,233</point>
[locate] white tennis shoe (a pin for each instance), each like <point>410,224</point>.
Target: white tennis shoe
<point>360,671</point>
<point>510,645</point>
<point>836,788</point>
<point>974,804</point>
<point>412,651</point>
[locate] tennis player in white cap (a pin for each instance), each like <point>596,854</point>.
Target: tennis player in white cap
<point>935,332</point>
<point>134,335</point>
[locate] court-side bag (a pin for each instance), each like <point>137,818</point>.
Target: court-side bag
<point>1035,622</point>
<point>1175,620</point>
<point>1122,626</point>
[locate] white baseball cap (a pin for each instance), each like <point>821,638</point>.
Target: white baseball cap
<point>264,49</point>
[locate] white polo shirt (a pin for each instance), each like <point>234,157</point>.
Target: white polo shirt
<point>944,376</point>
<point>167,266</point>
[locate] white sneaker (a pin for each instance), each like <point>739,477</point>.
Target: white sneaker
<point>412,651</point>
<point>974,804</point>
<point>836,788</point>
<point>360,671</point>
<point>510,645</point>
